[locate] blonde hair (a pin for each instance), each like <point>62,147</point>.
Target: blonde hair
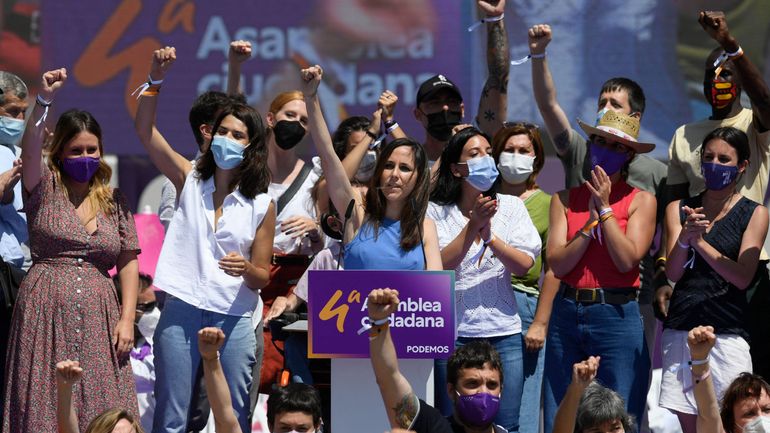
<point>70,124</point>
<point>106,421</point>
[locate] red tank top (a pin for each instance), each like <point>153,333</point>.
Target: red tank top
<point>596,268</point>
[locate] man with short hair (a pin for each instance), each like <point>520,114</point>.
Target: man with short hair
<point>294,408</point>
<point>439,104</point>
<point>474,380</point>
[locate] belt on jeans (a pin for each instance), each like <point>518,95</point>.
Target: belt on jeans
<point>290,259</point>
<point>601,296</point>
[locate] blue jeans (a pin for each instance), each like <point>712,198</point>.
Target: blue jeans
<point>177,359</point>
<point>614,332</point>
<point>529,411</point>
<point>295,353</point>
<point>510,349</point>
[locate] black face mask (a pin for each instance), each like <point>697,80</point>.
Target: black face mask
<point>288,133</point>
<point>440,124</point>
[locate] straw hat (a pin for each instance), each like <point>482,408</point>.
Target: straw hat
<point>618,127</point>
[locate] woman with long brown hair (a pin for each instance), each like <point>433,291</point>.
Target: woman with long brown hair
<point>68,308</point>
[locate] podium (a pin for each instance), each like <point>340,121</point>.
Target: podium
<point>422,330</point>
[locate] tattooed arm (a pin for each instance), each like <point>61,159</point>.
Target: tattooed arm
<point>493,102</point>
<point>556,121</point>
<point>397,395</point>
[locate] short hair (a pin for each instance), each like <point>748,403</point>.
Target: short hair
<point>746,385</point>
<point>736,138</point>
<point>205,108</point>
<point>295,397</point>
<point>599,405</point>
<point>342,134</point>
<point>11,84</point>
<point>475,354</point>
<point>106,421</point>
<point>635,93</point>
<point>532,132</point>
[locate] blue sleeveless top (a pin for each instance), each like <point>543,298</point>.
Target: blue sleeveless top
<point>383,252</point>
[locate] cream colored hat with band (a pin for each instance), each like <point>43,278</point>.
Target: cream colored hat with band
<point>618,127</point>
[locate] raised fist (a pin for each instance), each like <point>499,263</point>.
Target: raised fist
<point>240,51</point>
<point>162,59</point>
<point>382,303</point>
<point>492,8</point>
<point>539,36</point>
<point>715,24</point>
<point>700,340</point>
<point>52,81</point>
<point>312,78</point>
<point>210,340</point>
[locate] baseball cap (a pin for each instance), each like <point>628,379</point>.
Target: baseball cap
<point>435,84</point>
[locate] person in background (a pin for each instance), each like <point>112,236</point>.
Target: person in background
<point>67,308</point>
<point>518,152</point>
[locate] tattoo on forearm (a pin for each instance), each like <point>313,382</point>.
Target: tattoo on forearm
<point>406,410</point>
<point>498,57</point>
<point>561,141</point>
<point>489,115</point>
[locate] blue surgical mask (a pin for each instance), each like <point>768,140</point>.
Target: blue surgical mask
<point>11,130</point>
<point>227,153</point>
<point>718,176</point>
<point>609,160</point>
<point>482,172</point>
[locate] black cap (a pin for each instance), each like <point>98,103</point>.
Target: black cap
<point>435,84</point>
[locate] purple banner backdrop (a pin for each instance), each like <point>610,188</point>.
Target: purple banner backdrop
<point>423,327</point>
<point>365,47</point>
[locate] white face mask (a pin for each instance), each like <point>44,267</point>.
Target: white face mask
<point>760,424</point>
<point>148,322</point>
<point>366,167</point>
<point>515,167</point>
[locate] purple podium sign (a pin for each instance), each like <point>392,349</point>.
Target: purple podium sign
<point>422,327</point>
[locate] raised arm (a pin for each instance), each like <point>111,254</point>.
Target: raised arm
<point>239,52</point>
<point>556,121</point>
<point>67,374</point>
<point>210,340</point>
<point>701,340</point>
<point>751,79</point>
<point>493,103</point>
<point>173,165</point>
<point>400,401</point>
<point>32,141</point>
<point>337,181</point>
<point>582,374</point>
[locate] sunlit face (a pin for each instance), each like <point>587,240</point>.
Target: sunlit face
<point>293,421</point>
<point>83,144</point>
<point>355,137</point>
<point>719,151</point>
<point>295,110</point>
<point>475,147</point>
<point>615,100</point>
<point>443,100</point>
<point>614,426</point>
<point>13,107</point>
<point>234,129</point>
<point>475,380</point>
<point>744,411</point>
<point>521,144</point>
<point>123,426</point>
<point>399,176</point>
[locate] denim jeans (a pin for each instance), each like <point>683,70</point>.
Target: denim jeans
<point>615,333</point>
<point>177,359</point>
<point>295,353</point>
<point>510,349</point>
<point>529,411</point>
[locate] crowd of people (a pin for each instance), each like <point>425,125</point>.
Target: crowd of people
<point>556,296</point>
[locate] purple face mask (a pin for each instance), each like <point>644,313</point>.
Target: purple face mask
<point>609,160</point>
<point>80,169</point>
<point>478,409</point>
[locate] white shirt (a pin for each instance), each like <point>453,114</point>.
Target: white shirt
<point>484,302</point>
<point>188,266</point>
<point>300,205</point>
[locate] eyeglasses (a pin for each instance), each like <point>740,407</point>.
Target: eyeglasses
<point>529,126</point>
<point>146,306</point>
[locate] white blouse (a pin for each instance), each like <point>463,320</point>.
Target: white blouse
<point>188,266</point>
<point>484,302</point>
<point>300,205</point>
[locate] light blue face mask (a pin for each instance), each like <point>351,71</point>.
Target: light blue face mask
<point>11,130</point>
<point>227,153</point>
<point>482,172</point>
